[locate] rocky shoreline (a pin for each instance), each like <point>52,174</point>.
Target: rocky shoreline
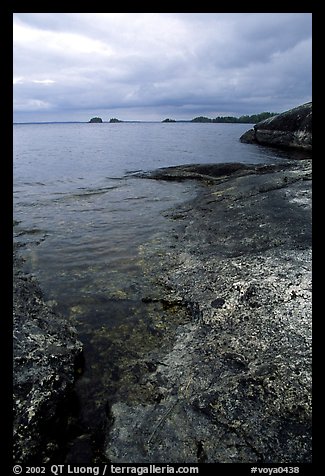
<point>231,382</point>
<point>47,356</point>
<point>220,369</point>
<point>236,385</point>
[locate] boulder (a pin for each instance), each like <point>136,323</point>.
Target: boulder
<point>290,129</point>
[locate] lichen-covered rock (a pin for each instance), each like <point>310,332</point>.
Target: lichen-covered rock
<point>290,129</point>
<point>45,355</point>
<point>236,385</point>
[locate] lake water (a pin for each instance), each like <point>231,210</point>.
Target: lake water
<point>83,216</point>
<point>76,198</point>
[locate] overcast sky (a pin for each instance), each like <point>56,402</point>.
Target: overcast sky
<point>150,66</point>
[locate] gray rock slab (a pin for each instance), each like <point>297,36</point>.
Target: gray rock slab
<point>235,386</point>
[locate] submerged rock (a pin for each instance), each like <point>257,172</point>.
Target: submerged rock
<point>236,385</point>
<point>46,353</point>
<point>290,129</point>
<point>203,172</point>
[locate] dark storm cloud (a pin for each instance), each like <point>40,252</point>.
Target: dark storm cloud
<point>68,66</point>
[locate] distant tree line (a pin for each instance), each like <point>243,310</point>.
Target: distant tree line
<point>253,119</point>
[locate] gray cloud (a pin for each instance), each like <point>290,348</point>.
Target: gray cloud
<point>68,66</point>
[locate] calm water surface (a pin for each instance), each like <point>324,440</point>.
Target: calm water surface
<point>82,218</point>
<point>74,190</point>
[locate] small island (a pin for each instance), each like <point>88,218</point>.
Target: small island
<point>113,120</point>
<point>168,120</point>
<point>96,119</point>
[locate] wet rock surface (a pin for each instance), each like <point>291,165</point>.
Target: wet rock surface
<point>46,356</point>
<point>290,129</point>
<point>234,385</point>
